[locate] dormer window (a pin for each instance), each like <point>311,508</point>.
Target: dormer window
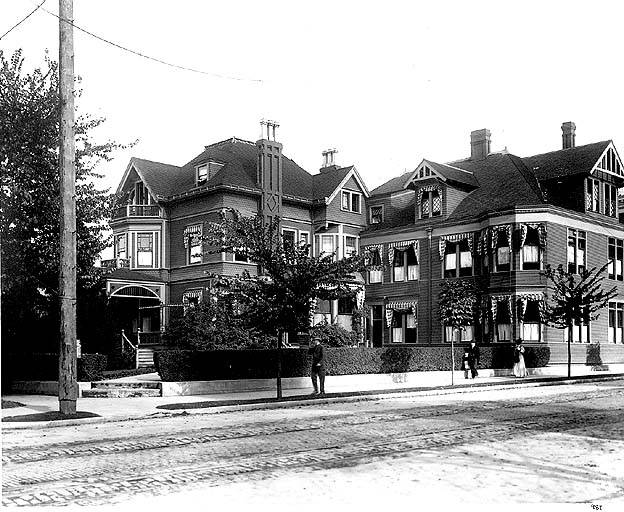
<point>205,172</point>
<point>350,201</point>
<point>430,202</point>
<point>376,214</point>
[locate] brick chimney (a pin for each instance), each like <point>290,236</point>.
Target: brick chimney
<point>329,159</point>
<point>569,134</point>
<point>269,170</point>
<point>479,144</point>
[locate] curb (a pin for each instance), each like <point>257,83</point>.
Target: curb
<point>223,406</point>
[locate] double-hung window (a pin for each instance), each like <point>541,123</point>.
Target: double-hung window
<point>120,246</point>
<point>616,322</point>
<point>350,201</point>
<point>457,259</point>
<point>616,259</point>
<point>502,256</point>
<point>326,245</point>
<point>531,250</point>
<point>350,246</point>
<point>288,237</point>
<point>531,322</point>
<point>577,245</point>
<point>145,250</point>
<point>503,322</point>
<point>375,273</point>
<point>466,333</point>
<point>405,265</point>
<point>580,332</point>
<point>404,327</point>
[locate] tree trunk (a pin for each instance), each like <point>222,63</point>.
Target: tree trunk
<point>279,364</point>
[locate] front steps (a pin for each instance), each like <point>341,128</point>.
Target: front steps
<point>145,357</point>
<point>122,389</point>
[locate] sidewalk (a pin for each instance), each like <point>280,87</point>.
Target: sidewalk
<point>123,409</point>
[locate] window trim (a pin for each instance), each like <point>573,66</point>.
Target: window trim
<point>458,266</point>
<point>370,213</point>
<point>154,250</point>
<point>405,266</point>
<point>576,241</point>
<point>350,194</point>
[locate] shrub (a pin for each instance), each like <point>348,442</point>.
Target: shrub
<point>213,325</point>
<point>125,361</point>
<point>183,365</point>
<point>91,367</point>
<point>332,335</point>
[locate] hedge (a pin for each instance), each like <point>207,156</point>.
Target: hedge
<point>44,366</point>
<point>188,365</point>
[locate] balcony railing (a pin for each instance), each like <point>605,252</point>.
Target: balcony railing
<point>136,210</point>
<point>116,263</point>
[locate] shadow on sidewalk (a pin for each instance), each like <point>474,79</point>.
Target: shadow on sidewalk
<point>49,416</point>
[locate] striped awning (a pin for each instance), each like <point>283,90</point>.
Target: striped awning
<point>455,238</point>
<point>391,307</point>
<point>404,244</point>
<point>541,231</point>
<point>193,233</point>
<point>506,228</point>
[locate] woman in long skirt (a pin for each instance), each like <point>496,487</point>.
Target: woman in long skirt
<point>519,368</point>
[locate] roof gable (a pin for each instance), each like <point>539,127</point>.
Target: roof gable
<point>350,174</point>
<point>444,172</point>
<point>567,162</point>
<point>156,176</point>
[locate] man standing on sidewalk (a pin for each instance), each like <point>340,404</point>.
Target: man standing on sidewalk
<point>473,358</point>
<point>318,365</point>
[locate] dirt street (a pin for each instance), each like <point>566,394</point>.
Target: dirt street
<point>557,444</point>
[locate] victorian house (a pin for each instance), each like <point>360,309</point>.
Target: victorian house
<point>497,219</point>
<point>160,260</point>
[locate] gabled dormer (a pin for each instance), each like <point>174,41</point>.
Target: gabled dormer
<point>137,197</point>
<point>439,188</point>
<point>581,178</point>
<point>339,194</point>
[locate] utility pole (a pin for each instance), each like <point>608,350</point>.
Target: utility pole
<point>67,385</point>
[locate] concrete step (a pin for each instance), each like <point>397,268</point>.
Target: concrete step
<point>119,392</point>
<point>124,385</point>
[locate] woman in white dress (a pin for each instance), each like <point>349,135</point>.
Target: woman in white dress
<point>519,368</point>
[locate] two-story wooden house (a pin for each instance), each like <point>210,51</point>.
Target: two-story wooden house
<point>498,219</point>
<point>160,258</point>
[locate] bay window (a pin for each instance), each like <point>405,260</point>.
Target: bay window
<point>502,255</point>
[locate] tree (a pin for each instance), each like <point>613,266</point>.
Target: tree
<point>574,299</point>
<point>281,297</point>
<point>215,324</point>
<point>457,305</point>
<point>29,209</point>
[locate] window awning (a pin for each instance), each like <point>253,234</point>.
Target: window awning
<point>192,233</point>
<point>391,307</point>
<point>404,244</point>
<point>455,238</point>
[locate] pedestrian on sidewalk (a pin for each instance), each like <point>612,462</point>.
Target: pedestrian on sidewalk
<point>318,366</point>
<point>466,364</point>
<point>473,358</point>
<point>519,368</point>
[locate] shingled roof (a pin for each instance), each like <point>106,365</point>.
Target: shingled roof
<point>566,162</point>
<point>504,182</point>
<point>239,158</point>
<point>328,180</point>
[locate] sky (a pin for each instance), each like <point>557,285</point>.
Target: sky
<point>386,83</point>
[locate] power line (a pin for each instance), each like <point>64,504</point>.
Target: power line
<point>134,52</point>
<point>24,19</point>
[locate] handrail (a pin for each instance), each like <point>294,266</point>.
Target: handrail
<point>125,339</point>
